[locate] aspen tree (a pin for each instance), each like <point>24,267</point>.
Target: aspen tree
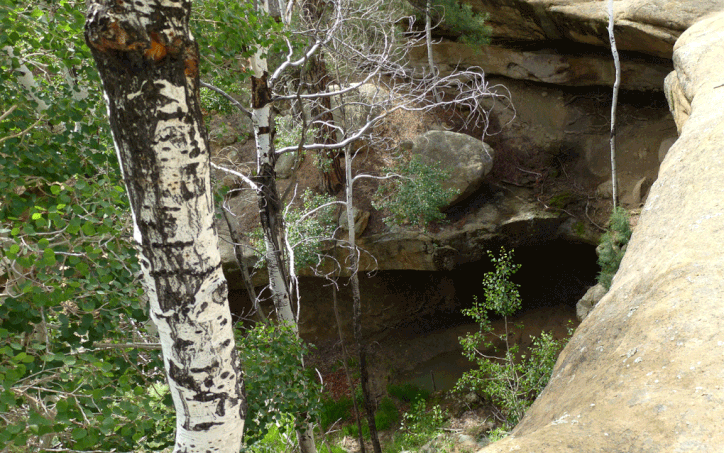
<point>148,61</point>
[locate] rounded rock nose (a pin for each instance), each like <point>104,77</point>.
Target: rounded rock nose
<point>467,160</point>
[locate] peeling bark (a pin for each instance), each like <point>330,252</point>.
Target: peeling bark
<point>279,265</point>
<point>270,206</point>
<point>148,62</point>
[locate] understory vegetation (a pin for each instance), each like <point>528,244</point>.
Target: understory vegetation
<point>416,195</point>
<point>612,246</point>
<point>508,377</point>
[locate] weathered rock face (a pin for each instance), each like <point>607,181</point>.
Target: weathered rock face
<point>565,42</point>
<point>503,219</point>
<point>643,371</point>
<point>646,26</point>
<point>561,65</point>
<point>571,128</point>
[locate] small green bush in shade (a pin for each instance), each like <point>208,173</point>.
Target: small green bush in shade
<point>407,392</point>
<point>419,426</point>
<point>613,245</point>
<point>387,415</point>
<point>333,411</point>
<point>416,195</point>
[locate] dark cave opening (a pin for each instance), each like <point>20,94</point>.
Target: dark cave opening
<point>553,274</point>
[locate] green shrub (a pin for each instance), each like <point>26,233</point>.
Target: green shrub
<point>278,437</point>
<point>333,411</point>
<point>408,392</point>
<point>419,426</point>
<point>612,246</point>
<point>416,195</point>
<point>335,449</point>
<point>508,379</point>
<point>387,415</point>
<point>462,20</point>
<point>456,18</point>
<point>276,382</point>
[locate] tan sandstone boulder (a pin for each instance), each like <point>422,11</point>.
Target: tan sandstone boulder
<point>644,372</point>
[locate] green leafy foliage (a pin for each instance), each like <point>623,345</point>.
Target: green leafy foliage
<point>386,417</point>
<point>407,392</point>
<point>454,17</point>
<point>460,19</point>
<point>280,438</point>
<point>230,33</point>
<point>509,378</point>
<point>416,195</point>
<point>68,288</point>
<point>418,427</point>
<point>276,383</point>
<point>288,132</point>
<point>334,411</point>
<point>613,245</point>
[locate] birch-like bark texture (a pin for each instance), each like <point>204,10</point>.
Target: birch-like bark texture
<point>279,263</point>
<point>148,62</point>
<point>428,43</point>
<point>270,213</point>
<point>270,207</point>
<point>614,102</point>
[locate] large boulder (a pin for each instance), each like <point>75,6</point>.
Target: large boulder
<point>467,158</point>
<point>643,372</point>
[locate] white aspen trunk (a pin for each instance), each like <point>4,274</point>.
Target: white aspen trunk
<point>148,62</point>
<point>614,102</point>
<point>270,212</point>
<point>428,37</point>
<point>269,203</point>
<point>25,78</point>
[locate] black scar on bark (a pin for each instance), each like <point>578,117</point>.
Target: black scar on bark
<point>261,95</point>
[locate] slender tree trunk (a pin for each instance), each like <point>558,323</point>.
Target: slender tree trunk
<point>239,255</point>
<point>347,373</point>
<point>148,62</point>
<point>271,213</point>
<point>317,81</point>
<point>270,207</point>
<point>428,41</point>
<point>357,309</point>
<point>614,102</point>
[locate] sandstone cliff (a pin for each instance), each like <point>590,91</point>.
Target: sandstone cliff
<point>643,372</point>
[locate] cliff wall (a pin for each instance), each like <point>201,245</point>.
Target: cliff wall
<point>643,372</point>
